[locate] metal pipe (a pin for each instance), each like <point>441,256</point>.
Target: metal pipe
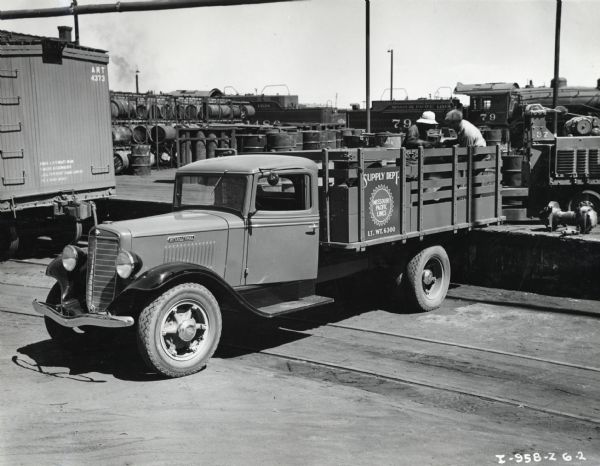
<point>556,62</point>
<point>391,52</point>
<point>368,61</point>
<point>76,23</point>
<point>121,7</point>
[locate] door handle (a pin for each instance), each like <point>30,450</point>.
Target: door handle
<point>311,230</point>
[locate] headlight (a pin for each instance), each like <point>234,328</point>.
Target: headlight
<point>125,264</point>
<point>70,258</point>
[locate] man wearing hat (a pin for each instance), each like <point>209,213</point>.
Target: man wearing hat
<point>417,134</point>
<point>468,134</point>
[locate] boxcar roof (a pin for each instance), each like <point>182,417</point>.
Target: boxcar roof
<point>11,37</point>
<point>248,163</point>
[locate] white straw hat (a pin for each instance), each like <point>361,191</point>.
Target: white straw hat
<point>427,118</point>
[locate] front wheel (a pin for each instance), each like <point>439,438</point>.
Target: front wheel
<point>180,330</point>
<point>428,275</point>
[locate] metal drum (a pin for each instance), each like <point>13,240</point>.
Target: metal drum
<point>511,170</point>
<point>211,145</point>
<point>156,112</point>
<point>492,137</point>
<point>140,159</point>
<point>162,133</point>
<point>131,108</point>
<point>169,111</point>
<point>121,161</point>
<point>277,142</point>
<point>296,140</point>
<point>252,142</point>
<point>180,111</point>
<point>311,140</point>
<point>191,112</point>
<point>140,134</point>
<point>141,112</point>
<point>121,135</point>
<point>199,147</point>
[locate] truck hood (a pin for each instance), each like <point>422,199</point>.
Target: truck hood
<point>176,223</point>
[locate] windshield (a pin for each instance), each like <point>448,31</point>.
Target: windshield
<point>220,191</point>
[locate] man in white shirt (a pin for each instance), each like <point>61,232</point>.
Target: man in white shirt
<point>468,134</point>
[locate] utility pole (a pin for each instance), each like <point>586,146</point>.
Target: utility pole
<point>368,60</point>
<point>391,52</point>
<point>556,62</point>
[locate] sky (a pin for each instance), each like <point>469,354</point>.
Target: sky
<point>317,47</point>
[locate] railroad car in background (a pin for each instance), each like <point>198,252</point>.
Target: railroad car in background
<point>538,165</point>
<point>55,137</point>
<point>399,115</point>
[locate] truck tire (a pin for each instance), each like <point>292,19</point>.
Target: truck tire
<point>179,331</point>
<point>428,275</point>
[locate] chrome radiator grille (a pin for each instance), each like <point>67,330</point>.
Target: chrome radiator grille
<point>102,276</point>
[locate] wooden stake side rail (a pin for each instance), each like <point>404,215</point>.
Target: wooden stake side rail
<point>392,195</point>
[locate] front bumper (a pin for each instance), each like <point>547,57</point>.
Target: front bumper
<point>95,320</point>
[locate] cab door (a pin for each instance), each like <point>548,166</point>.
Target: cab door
<point>283,229</point>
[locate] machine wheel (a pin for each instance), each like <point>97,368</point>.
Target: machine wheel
<point>180,330</point>
<point>587,195</point>
<point>428,275</point>
<point>9,242</point>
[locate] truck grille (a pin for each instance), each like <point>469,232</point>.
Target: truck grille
<point>102,276</point>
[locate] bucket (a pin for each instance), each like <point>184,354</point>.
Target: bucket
<point>311,140</point>
<point>140,159</point>
<point>277,142</point>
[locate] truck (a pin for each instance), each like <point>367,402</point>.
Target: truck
<point>55,137</point>
<point>260,233</point>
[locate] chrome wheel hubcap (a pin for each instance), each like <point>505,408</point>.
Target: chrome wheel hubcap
<point>183,330</point>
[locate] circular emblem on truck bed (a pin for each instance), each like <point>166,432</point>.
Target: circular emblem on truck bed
<point>381,205</point>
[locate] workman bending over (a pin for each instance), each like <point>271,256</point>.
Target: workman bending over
<point>417,134</point>
<point>468,134</point>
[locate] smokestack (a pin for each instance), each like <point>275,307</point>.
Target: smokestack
<point>64,33</point>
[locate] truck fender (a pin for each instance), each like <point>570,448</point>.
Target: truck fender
<point>69,282</point>
<point>164,275</point>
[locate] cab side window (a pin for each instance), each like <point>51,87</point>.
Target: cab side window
<point>290,192</point>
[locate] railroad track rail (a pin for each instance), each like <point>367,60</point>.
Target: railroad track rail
<point>415,382</point>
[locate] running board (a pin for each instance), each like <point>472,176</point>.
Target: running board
<point>293,306</point>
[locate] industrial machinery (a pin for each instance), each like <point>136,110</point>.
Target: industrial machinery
<point>259,231</point>
<point>55,137</point>
<point>539,165</point>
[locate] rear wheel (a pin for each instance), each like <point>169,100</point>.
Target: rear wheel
<point>180,330</point>
<point>428,276</point>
